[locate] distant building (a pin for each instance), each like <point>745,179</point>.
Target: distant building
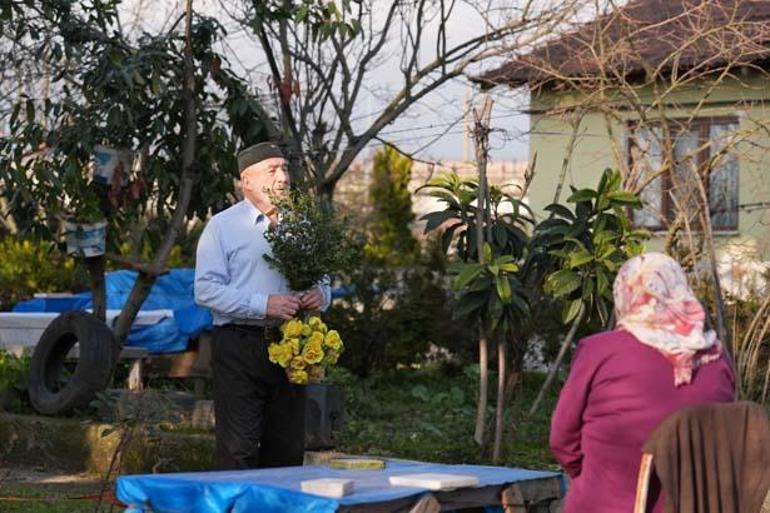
<point>353,189</point>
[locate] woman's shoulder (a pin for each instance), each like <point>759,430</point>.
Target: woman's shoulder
<point>607,341</point>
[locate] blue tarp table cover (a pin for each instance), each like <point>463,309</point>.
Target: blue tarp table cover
<point>172,291</point>
<point>278,490</point>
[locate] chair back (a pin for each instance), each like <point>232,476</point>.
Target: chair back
<point>711,457</point>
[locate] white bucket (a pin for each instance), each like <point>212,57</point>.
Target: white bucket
<point>108,160</point>
<point>86,240</point>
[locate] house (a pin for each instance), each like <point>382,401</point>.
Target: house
<point>674,93</point>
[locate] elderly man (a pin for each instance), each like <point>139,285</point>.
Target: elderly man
<point>259,414</point>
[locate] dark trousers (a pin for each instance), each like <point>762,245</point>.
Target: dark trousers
<point>260,416</point>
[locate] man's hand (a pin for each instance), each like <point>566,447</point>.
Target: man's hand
<point>312,300</point>
<point>282,306</point>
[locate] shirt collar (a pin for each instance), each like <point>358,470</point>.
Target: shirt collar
<point>255,215</point>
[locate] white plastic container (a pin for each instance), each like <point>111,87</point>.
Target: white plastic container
<point>86,240</point>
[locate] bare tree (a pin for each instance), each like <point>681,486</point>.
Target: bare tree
<point>321,82</point>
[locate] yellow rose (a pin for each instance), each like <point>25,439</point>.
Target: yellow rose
<point>306,330</point>
<point>333,340</point>
<point>317,324</point>
<point>312,353</point>
<point>292,328</point>
<point>298,376</point>
<point>297,364</point>
<point>294,344</point>
<point>280,354</point>
<point>316,338</point>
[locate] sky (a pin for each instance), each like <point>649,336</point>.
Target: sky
<point>433,128</point>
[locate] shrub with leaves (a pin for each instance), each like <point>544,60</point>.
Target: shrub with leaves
<point>13,380</point>
<point>579,252</point>
<point>505,231</point>
<point>491,291</point>
<point>309,242</point>
<point>29,266</point>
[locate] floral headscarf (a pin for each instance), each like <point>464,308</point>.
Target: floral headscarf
<point>655,303</point>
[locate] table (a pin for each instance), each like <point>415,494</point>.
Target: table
<point>278,490</point>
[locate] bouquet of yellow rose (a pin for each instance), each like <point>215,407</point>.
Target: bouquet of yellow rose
<point>306,349</point>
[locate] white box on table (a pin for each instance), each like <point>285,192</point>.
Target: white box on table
<point>434,481</point>
<point>328,487</point>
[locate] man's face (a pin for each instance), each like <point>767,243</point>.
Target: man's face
<point>266,178</point>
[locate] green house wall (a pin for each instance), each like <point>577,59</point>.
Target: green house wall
<point>600,145</point>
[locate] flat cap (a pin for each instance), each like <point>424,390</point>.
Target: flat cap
<point>258,153</point>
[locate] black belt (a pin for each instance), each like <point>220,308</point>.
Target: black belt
<point>271,333</point>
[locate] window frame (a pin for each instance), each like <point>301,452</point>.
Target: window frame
<point>677,124</point>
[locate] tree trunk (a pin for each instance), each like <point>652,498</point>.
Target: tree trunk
<point>481,137</point>
<point>555,367</point>
<point>95,266</point>
<point>146,278</point>
<point>502,363</point>
<point>481,411</point>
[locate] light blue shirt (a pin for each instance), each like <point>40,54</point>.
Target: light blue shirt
<point>232,277</point>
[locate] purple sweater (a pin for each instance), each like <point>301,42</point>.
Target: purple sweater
<point>617,392</point>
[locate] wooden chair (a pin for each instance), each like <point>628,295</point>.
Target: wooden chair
<point>733,422</point>
<point>643,484</point>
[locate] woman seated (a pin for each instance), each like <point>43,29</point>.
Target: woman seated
<point>624,382</point>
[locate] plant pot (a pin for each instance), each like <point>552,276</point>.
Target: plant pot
<point>86,239</point>
<point>324,415</point>
<point>110,163</point>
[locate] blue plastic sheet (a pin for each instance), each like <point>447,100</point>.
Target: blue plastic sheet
<point>172,291</point>
<point>278,490</point>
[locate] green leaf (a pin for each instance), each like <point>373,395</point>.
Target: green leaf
<point>579,257</point>
<point>519,302</point>
<point>562,282</point>
<point>602,283</point>
<point>487,252</point>
<point>503,259</point>
<point>511,267</point>
<point>469,273</point>
<point>571,310</point>
<point>494,311</point>
<point>624,198</point>
<point>504,289</point>
<point>500,235</point>
<point>582,195</point>
<point>30,111</point>
<point>469,303</point>
<point>436,219</point>
<point>561,211</point>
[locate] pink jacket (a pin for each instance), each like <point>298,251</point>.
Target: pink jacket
<point>617,392</point>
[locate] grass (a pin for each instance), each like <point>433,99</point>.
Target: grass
<point>423,414</point>
<point>48,498</point>
<point>429,414</point>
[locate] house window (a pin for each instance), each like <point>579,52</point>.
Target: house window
<point>695,145</point>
